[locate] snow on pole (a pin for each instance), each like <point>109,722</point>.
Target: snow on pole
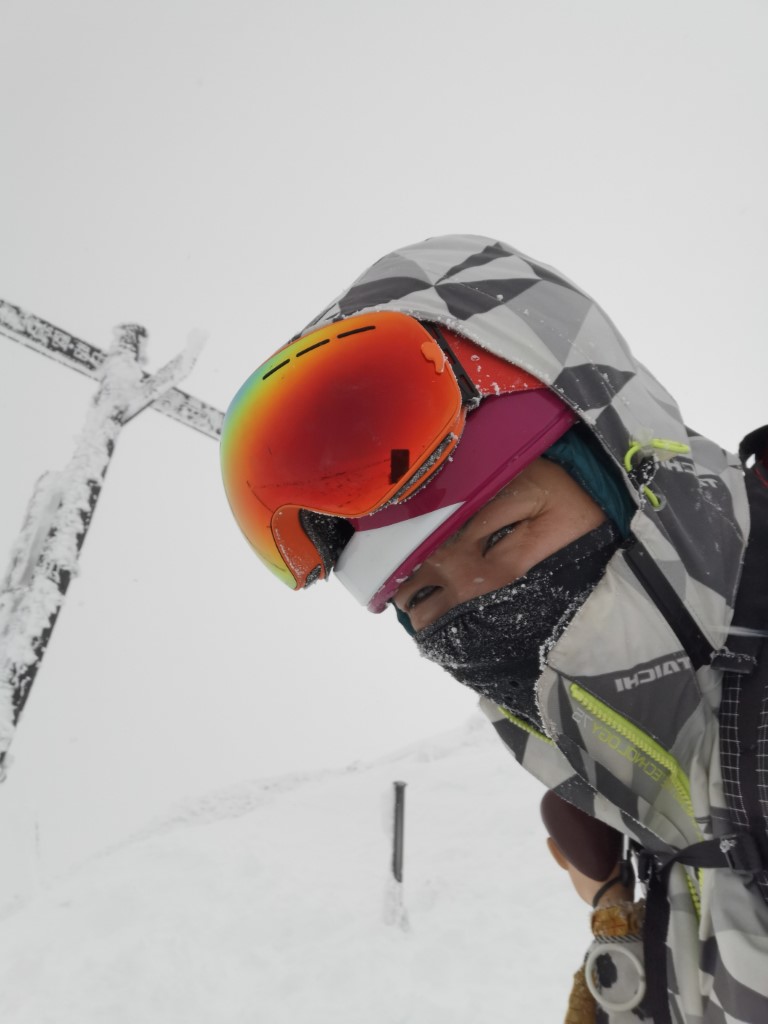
<point>45,556</point>
<point>24,558</point>
<point>26,550</point>
<point>40,336</point>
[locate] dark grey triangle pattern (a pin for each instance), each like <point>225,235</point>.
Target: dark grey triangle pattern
<point>546,273</point>
<point>390,279</point>
<point>376,293</point>
<point>513,737</point>
<point>643,835</point>
<point>616,791</point>
<point>596,385</point>
<point>464,300</point>
<point>556,313</point>
<point>478,259</point>
<point>694,521</point>
<point>575,791</point>
<point>735,997</point>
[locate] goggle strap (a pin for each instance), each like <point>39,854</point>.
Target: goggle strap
<point>329,534</point>
<point>470,396</point>
<point>425,469</point>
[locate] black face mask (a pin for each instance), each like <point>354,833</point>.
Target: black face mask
<point>497,643</point>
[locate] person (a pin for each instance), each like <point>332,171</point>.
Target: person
<point>463,435</point>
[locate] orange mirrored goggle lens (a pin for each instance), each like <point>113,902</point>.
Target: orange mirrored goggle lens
<point>339,422</point>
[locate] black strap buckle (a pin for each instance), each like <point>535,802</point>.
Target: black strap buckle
<point>626,872</point>
<point>647,866</point>
<point>643,472</point>
<point>738,662</point>
<point>741,852</point>
<point>470,396</point>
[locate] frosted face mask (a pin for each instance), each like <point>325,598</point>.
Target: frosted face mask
<point>497,643</point>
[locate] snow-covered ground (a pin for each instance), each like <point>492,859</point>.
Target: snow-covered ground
<point>272,903</point>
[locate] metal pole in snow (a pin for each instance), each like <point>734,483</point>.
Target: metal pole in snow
<point>398,831</point>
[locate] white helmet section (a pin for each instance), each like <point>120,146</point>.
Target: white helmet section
<point>366,562</point>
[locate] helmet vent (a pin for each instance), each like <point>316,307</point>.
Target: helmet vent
<point>310,348</point>
<point>318,344</point>
<point>275,369</point>
<point>357,330</point>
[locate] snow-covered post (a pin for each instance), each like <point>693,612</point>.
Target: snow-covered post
<point>394,906</point>
<point>45,556</point>
<point>398,831</point>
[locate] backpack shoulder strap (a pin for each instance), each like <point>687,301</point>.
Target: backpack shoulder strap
<point>755,445</point>
<point>744,705</point>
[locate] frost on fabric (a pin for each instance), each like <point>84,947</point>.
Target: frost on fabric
<point>497,643</point>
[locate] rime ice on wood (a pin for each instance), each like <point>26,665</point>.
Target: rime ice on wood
<point>64,348</point>
<point>45,556</point>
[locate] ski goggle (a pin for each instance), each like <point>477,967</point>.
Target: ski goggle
<point>341,422</point>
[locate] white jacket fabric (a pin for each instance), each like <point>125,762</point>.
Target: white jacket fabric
<point>630,693</point>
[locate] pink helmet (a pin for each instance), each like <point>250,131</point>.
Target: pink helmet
<point>501,437</point>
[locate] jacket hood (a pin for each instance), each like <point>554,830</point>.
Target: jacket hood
<point>534,317</point>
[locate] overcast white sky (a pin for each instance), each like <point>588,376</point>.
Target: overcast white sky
<point>231,166</point>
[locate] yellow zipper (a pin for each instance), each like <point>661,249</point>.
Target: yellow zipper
<point>695,897</point>
<point>522,724</point>
<point>678,780</point>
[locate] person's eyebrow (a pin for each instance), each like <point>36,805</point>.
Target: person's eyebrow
<point>462,529</point>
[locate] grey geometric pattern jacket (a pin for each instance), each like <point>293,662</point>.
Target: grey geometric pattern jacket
<point>630,716</point>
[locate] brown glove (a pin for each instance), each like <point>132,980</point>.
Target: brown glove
<point>582,1008</point>
<point>589,844</point>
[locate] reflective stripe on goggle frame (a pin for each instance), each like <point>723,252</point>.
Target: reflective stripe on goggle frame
<point>340,422</point>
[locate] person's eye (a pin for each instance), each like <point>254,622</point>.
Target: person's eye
<point>421,595</point>
<point>498,535</point>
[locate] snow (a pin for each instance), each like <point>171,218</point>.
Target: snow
<point>272,901</point>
